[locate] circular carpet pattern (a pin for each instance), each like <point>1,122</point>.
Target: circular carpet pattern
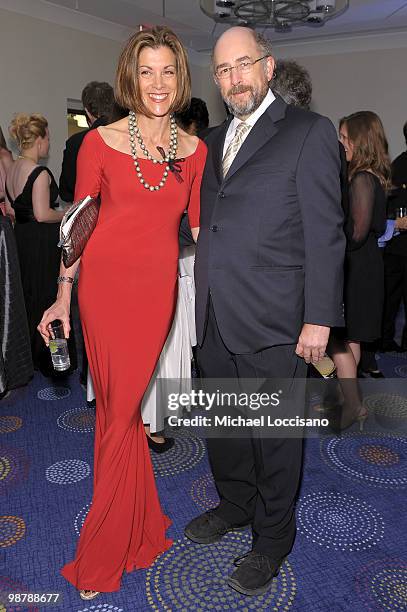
<point>382,585</point>
<point>180,580</point>
<point>14,466</point>
<point>80,518</point>
<point>339,521</point>
<point>203,492</point>
<point>53,393</point>
<point>12,529</point>
<point>78,420</point>
<point>401,370</point>
<point>387,404</point>
<point>378,455</point>
<point>376,459</point>
<point>102,608</point>
<point>68,471</point>
<point>187,452</point>
<point>8,585</point>
<point>10,423</point>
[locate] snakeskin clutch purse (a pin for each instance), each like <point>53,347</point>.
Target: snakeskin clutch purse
<point>76,228</point>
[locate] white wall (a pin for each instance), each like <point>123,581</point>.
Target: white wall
<point>204,87</point>
<point>358,73</point>
<point>43,64</point>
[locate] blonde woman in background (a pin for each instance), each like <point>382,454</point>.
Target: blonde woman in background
<point>32,193</point>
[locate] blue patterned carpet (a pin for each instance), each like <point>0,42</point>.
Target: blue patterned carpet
<point>350,552</point>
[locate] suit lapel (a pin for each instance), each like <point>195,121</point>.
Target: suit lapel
<point>263,130</point>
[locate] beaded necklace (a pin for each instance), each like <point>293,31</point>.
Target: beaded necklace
<point>135,134</point>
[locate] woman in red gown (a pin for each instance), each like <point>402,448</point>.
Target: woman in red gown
<point>127,294</point>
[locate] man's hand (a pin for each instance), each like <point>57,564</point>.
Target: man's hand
<point>312,342</point>
<point>401,224</point>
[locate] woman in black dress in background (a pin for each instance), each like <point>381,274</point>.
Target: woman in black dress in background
<point>32,192</point>
<point>366,148</point>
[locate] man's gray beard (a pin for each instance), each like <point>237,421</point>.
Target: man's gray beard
<point>247,108</point>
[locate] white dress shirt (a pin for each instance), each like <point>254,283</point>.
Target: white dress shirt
<point>270,97</point>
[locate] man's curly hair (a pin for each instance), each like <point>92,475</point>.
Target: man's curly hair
<point>293,83</point>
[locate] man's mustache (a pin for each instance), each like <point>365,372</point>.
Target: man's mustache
<point>238,89</point>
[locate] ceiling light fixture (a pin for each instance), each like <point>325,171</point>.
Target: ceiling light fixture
<point>278,14</point>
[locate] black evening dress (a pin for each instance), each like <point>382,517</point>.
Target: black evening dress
<point>16,366</point>
<point>364,272</point>
<point>39,256</point>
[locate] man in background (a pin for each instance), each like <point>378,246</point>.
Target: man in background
<point>395,258</point>
<point>97,100</point>
<point>194,119</point>
<point>293,83</point>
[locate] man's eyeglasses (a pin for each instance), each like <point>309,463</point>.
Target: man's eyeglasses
<point>243,67</point>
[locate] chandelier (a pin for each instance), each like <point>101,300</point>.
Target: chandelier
<point>278,14</point>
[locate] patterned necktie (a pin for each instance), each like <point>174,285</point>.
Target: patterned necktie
<point>234,146</point>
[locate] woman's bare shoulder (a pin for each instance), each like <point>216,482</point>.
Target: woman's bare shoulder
<point>113,133</point>
<point>122,125</point>
<point>6,156</point>
<point>187,143</point>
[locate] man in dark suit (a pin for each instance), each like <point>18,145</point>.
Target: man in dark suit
<point>292,82</point>
<point>97,100</point>
<point>269,286</point>
<point>395,258</point>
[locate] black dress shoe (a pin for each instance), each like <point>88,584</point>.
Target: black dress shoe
<point>371,374</point>
<point>391,346</point>
<point>208,528</point>
<point>254,574</point>
<point>160,447</point>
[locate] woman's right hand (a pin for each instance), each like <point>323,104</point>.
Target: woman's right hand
<point>59,310</point>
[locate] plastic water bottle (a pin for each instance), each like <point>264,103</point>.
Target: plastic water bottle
<point>58,346</point>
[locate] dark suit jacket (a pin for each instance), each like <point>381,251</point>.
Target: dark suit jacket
<point>67,179</point>
<point>397,199</point>
<point>271,243</point>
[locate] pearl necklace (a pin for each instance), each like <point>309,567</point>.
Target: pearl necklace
<point>134,133</point>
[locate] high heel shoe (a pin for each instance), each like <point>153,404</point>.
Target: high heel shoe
<point>338,424</point>
<point>87,595</point>
<point>362,420</point>
<point>160,447</point>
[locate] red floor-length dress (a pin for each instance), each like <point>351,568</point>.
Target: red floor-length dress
<point>127,293</point>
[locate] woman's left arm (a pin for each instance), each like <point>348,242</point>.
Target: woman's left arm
<point>195,194</point>
<point>362,198</point>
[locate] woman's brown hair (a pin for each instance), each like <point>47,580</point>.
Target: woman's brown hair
<point>25,129</point>
<point>127,91</point>
<point>370,147</point>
